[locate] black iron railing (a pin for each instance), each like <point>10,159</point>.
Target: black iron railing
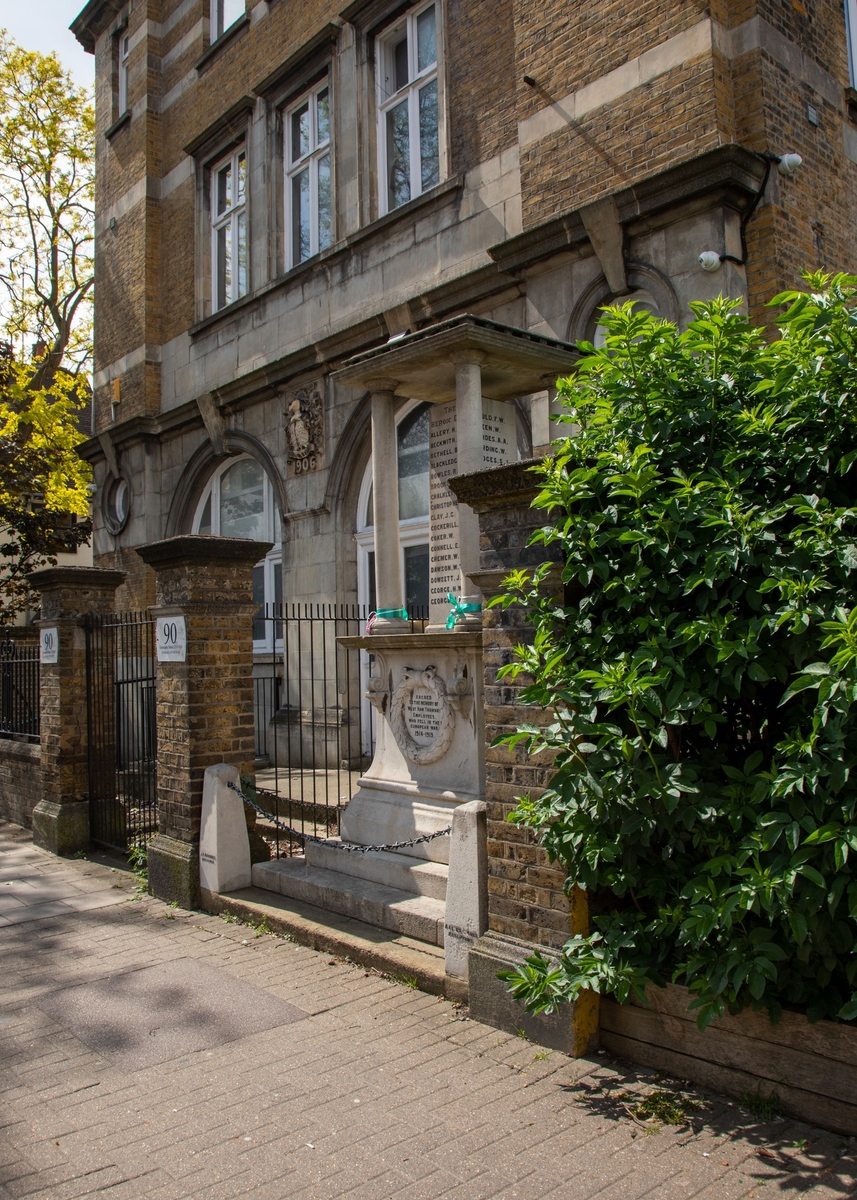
<point>122,741</point>
<point>19,689</point>
<point>315,729</point>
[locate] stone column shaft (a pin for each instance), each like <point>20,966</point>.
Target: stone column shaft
<point>389,584</point>
<point>471,456</point>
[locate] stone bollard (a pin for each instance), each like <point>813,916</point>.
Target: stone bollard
<point>69,596</point>
<point>467,886</point>
<point>204,602</point>
<point>224,846</point>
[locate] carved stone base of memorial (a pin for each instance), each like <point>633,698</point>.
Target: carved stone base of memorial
<point>174,870</point>
<point>61,828</point>
<point>429,758</point>
<point>573,1029</point>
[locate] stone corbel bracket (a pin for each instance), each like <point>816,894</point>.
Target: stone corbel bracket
<point>459,689</point>
<point>379,687</point>
<point>215,426</point>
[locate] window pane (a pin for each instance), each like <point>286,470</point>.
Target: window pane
<point>370,507</point>
<point>301,216</point>
<point>417,579</point>
<point>224,267</point>
<point>324,202</point>
<point>322,111</point>
<point>413,462</point>
<point>426,39</point>
<point>242,501</point>
<point>400,64</point>
<point>300,132</point>
<point>224,188</point>
<point>242,255</point>
<point>259,599</point>
<point>242,171</point>
<point>429,147</point>
<point>373,601</point>
<point>205,519</point>
<point>228,12</point>
<point>398,155</point>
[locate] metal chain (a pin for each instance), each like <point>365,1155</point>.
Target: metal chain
<point>333,845</point>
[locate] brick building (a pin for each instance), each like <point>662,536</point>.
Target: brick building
<point>282,186</point>
<point>295,202</point>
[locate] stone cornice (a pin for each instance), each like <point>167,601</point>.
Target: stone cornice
<point>729,173</point>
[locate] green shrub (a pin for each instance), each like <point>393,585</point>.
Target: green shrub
<point>700,673</point>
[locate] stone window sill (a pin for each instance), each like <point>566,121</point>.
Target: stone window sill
<point>225,38</point>
<point>118,124</point>
<point>427,200</point>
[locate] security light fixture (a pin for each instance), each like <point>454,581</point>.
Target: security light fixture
<point>787,164</point>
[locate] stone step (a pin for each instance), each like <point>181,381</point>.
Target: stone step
<point>419,917</point>
<point>416,876</point>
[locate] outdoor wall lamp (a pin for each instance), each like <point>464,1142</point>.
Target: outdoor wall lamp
<point>787,164</point>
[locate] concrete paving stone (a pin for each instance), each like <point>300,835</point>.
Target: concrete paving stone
<point>426,1080</point>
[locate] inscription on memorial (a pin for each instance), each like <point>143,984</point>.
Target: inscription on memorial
<point>443,509</point>
<point>498,447</point>
<point>422,716</point>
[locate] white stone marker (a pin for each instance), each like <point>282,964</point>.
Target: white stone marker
<point>49,645</point>
<point>467,888</point>
<point>224,847</point>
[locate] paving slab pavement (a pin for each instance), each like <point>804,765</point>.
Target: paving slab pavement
<point>150,1052</point>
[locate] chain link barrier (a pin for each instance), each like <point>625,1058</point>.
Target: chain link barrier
<point>334,845</point>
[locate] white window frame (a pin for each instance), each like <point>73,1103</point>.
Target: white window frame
<point>230,219</point>
<point>388,99</point>
<point>851,39</point>
<point>123,56</point>
<point>220,11</point>
<point>318,149</point>
<point>273,560</point>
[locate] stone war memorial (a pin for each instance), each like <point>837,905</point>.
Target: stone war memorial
<point>426,688</point>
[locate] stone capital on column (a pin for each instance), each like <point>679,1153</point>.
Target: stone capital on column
<point>381,384</point>
<point>204,704</point>
<point>468,357</point>
<point>69,596</point>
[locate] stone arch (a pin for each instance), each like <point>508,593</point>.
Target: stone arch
<point>641,278</point>
<point>200,468</point>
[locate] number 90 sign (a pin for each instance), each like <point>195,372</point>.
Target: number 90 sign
<point>172,639</point>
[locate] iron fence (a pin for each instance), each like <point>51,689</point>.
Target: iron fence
<point>122,730</point>
<point>19,689</point>
<point>315,729</point>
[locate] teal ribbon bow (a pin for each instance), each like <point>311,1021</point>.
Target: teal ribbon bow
<point>459,610</point>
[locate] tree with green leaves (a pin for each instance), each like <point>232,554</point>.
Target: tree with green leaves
<point>700,672</point>
<point>47,157</point>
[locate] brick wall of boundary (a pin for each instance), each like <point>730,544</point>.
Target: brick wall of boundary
<point>525,891</point>
<point>20,781</point>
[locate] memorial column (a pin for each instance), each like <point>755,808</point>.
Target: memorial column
<point>470,457</point>
<point>389,585</point>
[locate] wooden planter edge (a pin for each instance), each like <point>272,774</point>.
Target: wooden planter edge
<point>810,1067</point>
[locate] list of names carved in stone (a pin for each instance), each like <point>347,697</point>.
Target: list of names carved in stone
<point>499,445</point>
<point>443,510</point>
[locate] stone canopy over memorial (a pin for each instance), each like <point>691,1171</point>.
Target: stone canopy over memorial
<point>470,369</point>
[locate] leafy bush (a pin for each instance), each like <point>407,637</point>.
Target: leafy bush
<point>701,671</point>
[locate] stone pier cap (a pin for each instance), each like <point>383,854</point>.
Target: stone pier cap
<point>514,362</point>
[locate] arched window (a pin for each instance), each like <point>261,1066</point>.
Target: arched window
<point>643,302</point>
<point>238,501</point>
<point>413,470</point>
